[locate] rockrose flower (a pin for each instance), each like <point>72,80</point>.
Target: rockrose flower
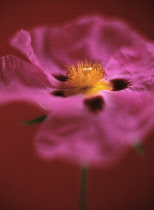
<point>95,76</point>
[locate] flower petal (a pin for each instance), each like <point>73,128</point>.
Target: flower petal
<point>89,37</point>
<point>72,133</point>
<point>38,97</point>
<point>134,63</point>
<point>14,70</point>
<point>20,80</point>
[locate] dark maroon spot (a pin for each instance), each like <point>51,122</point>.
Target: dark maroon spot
<point>58,93</point>
<point>119,84</point>
<point>61,77</point>
<point>94,104</point>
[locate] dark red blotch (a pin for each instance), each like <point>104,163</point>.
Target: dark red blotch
<point>60,77</point>
<point>119,84</point>
<point>58,93</point>
<point>94,104</point>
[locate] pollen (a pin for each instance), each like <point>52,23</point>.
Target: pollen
<point>87,77</point>
<point>85,74</point>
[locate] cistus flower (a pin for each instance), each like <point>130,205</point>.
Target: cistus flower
<point>89,79</point>
<point>95,76</point>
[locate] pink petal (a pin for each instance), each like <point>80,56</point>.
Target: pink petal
<point>136,64</point>
<point>74,134</point>
<point>91,37</point>
<point>20,80</point>
<point>14,70</point>
<point>22,41</point>
<point>38,97</point>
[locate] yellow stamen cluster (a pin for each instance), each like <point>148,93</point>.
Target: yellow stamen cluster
<point>85,74</point>
<point>87,77</point>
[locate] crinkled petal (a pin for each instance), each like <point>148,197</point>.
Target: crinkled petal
<point>20,80</point>
<point>74,134</point>
<point>136,64</point>
<point>17,72</point>
<point>89,37</point>
<point>39,97</point>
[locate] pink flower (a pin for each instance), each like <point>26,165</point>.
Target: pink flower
<point>96,111</point>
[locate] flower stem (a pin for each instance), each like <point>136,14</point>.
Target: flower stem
<point>83,184</point>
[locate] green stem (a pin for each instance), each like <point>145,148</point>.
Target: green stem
<point>83,185</point>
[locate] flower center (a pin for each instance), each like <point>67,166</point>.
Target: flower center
<point>87,77</point>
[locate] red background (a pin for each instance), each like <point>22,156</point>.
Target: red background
<point>27,183</point>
